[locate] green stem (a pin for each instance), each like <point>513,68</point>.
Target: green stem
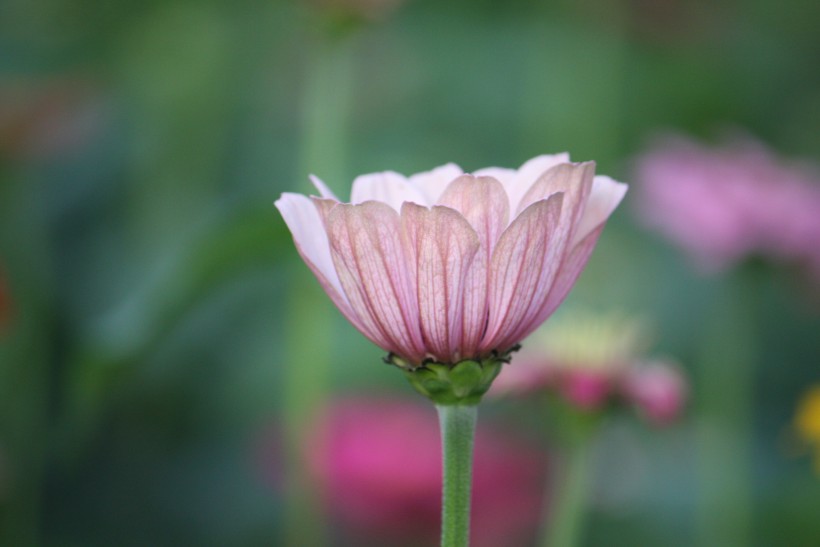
<point>566,507</point>
<point>725,390</point>
<point>457,436</point>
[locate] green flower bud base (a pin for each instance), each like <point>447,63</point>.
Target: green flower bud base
<point>462,383</point>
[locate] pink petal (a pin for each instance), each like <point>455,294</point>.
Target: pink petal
<point>528,173</point>
<point>522,270</point>
<point>323,189</point>
<point>442,245</point>
<point>388,187</point>
<point>432,183</point>
<point>366,246</point>
<point>571,269</point>
<point>307,227</point>
<point>574,179</point>
<point>483,202</point>
<point>503,175</point>
<point>604,197</point>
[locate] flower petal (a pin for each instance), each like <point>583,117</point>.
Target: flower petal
<point>604,197</point>
<point>432,183</point>
<point>323,189</point>
<point>528,174</point>
<point>388,187</point>
<point>483,202</point>
<point>441,244</point>
<point>522,270</point>
<point>571,269</point>
<point>502,174</point>
<point>574,179</point>
<point>307,227</point>
<point>366,246</point>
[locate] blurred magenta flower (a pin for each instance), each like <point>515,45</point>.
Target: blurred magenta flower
<point>378,460</point>
<point>593,360</point>
<point>444,266</point>
<point>725,203</point>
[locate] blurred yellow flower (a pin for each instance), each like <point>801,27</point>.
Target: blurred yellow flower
<point>583,339</point>
<point>807,422</point>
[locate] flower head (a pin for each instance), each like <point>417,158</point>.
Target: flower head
<point>594,359</point>
<point>444,266</point>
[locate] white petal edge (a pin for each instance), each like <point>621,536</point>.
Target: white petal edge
<point>324,190</point>
<point>387,187</point>
<point>307,229</point>
<point>310,237</point>
<point>604,197</point>
<point>431,184</point>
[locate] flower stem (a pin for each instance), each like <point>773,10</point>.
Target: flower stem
<point>725,387</point>
<point>457,436</point>
<point>566,507</point>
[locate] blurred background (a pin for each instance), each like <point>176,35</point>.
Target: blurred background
<point>164,352</point>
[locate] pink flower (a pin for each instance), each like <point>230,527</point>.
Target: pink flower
<point>378,461</point>
<point>446,266</point>
<point>592,361</point>
<point>658,390</point>
<point>580,354</point>
<point>725,203</point>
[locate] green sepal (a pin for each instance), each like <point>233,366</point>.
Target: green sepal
<point>462,383</point>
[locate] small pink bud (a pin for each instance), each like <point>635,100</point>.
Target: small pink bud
<point>658,390</point>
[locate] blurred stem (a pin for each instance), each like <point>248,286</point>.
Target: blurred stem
<point>566,511</point>
<point>457,437</point>
<point>725,388</point>
<point>310,319</point>
<point>575,84</point>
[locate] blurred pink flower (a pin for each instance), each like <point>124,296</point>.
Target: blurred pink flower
<point>586,389</point>
<point>725,203</point>
<point>593,360</point>
<point>379,463</point>
<point>657,389</point>
<point>446,266</point>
